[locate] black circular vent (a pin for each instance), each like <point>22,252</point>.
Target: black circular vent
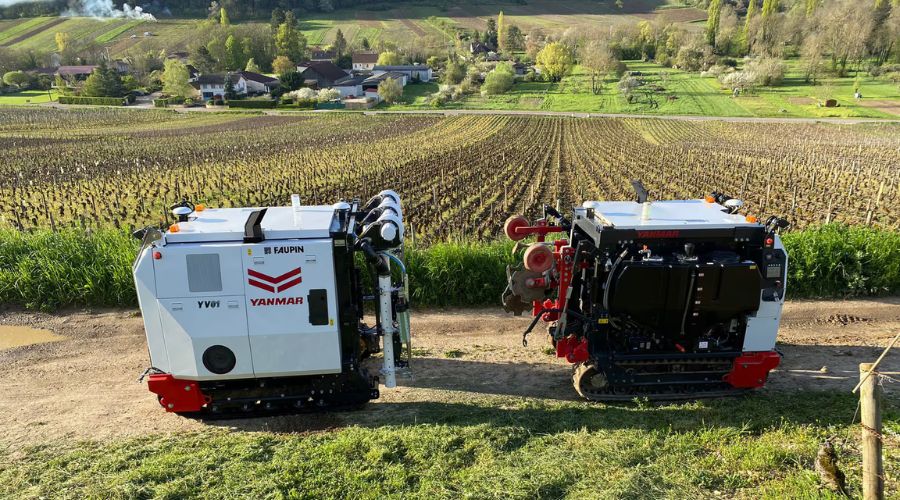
<point>219,359</point>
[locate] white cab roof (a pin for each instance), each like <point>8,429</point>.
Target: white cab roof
<point>668,214</point>
<point>227,224</point>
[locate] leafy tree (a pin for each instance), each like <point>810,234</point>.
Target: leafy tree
<point>229,88</point>
<point>340,43</point>
<point>277,18</point>
<point>282,64</point>
<point>499,80</point>
<point>291,20</point>
<point>251,66</point>
<point>175,79</point>
<point>769,7</point>
<point>290,42</point>
<point>514,38</point>
<point>555,61</point>
<point>389,59</point>
<point>16,78</point>
<point>62,41</point>
<point>103,82</point>
<point>490,36</point>
<point>712,21</point>
<point>501,33</point>
<point>597,57</point>
<point>223,17</point>
<point>628,85</point>
<point>326,6</point>
<point>234,54</point>
<point>326,95</point>
<point>365,44</point>
<point>290,80</point>
<point>751,10</point>
<point>454,72</point>
<point>390,90</point>
<point>216,49</point>
<point>62,86</point>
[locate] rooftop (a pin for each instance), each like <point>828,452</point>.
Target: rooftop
<point>325,68</point>
<point>365,57</point>
<point>403,67</point>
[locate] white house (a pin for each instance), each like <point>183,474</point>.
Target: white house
<point>257,83</point>
<point>245,82</point>
<point>212,85</point>
<point>418,72</point>
<point>364,61</point>
<point>350,86</point>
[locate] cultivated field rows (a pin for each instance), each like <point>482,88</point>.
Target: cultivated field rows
<point>458,175</point>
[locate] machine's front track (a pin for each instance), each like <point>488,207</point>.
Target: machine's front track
<point>283,396</point>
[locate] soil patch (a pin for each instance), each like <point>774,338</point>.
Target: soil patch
<point>85,385</point>
<point>886,105</point>
<point>801,101</point>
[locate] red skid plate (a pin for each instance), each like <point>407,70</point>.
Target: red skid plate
<point>751,370</point>
<point>177,396</point>
<point>573,349</point>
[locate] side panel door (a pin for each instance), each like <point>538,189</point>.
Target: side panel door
<point>194,324</point>
<point>292,307</point>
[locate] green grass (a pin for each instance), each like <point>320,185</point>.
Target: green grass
<point>27,97</point>
<point>23,27</point>
<point>47,270</point>
<point>78,28</point>
<point>693,95</point>
<point>112,34</point>
<point>761,446</point>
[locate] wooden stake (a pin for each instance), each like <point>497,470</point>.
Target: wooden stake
<point>870,411</point>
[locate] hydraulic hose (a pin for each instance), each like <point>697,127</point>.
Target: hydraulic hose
<point>609,278</point>
<point>396,261</point>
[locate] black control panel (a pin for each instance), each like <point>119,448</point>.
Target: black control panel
<point>774,268</point>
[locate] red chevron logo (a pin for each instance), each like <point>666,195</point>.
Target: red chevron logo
<point>274,284</point>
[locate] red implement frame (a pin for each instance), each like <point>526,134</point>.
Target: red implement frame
<point>177,396</point>
<point>752,369</point>
<point>573,349</point>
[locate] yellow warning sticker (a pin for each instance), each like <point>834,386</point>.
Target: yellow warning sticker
<point>249,251</point>
<point>330,321</point>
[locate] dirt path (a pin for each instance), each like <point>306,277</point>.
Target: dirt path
<point>84,387</point>
<point>888,106</point>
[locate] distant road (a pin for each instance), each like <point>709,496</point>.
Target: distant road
<point>574,114</point>
<point>454,112</point>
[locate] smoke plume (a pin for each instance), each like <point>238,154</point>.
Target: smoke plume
<point>106,9</point>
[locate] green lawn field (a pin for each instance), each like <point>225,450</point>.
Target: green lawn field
<point>28,97</point>
<point>756,447</point>
<point>692,95</point>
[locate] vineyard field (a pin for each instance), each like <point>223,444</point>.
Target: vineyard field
<point>459,176</point>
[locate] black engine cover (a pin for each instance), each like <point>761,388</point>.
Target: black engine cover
<point>657,294</point>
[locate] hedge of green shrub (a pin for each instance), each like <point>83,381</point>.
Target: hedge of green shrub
<point>46,270</point>
<point>95,101</point>
<point>252,104</point>
<point>168,101</point>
